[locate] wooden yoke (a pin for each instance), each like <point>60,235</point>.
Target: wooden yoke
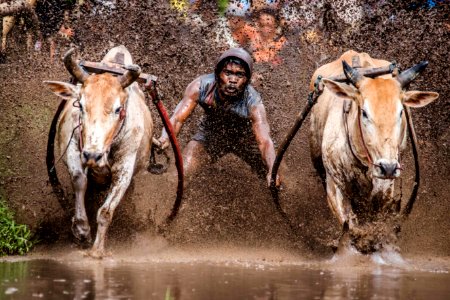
<point>113,68</point>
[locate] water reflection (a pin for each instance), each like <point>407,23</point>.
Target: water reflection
<point>49,279</point>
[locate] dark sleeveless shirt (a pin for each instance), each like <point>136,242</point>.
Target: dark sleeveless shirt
<point>225,121</point>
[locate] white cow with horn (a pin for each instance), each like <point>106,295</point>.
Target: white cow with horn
<point>357,133</point>
<point>104,133</point>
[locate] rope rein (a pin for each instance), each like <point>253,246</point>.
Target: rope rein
<point>76,103</point>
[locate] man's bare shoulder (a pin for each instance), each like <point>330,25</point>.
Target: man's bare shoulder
<point>194,86</point>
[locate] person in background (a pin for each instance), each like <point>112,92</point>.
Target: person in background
<point>53,17</point>
<point>266,39</point>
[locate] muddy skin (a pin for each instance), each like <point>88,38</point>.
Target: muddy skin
<point>226,202</point>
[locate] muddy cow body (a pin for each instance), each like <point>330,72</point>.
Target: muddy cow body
<point>112,141</point>
<point>357,132</point>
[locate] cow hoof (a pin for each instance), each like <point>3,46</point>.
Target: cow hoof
<point>97,254</point>
<point>82,235</point>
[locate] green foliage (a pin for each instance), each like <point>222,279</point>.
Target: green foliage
<point>222,4</point>
<point>14,238</point>
<point>168,296</point>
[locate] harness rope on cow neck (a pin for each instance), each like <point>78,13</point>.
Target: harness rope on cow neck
<point>122,115</point>
<point>346,110</point>
<point>67,147</point>
<point>76,103</point>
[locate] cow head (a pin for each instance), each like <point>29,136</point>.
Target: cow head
<point>102,99</point>
<point>380,123</point>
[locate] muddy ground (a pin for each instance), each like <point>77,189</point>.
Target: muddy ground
<point>227,204</point>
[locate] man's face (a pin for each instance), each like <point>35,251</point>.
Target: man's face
<point>232,80</point>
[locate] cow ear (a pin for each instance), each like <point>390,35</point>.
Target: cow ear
<point>63,89</point>
<point>419,99</point>
<point>340,89</point>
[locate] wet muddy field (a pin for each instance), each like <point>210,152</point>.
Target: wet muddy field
<point>225,273</point>
<point>226,209</point>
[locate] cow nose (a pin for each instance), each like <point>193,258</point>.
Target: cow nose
<point>388,169</point>
<point>92,155</point>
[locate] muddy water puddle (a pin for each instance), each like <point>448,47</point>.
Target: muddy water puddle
<point>119,279</point>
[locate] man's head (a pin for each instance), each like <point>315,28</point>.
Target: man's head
<point>268,22</point>
<point>233,72</point>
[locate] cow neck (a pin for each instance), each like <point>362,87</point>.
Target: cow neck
<point>122,115</point>
<point>351,143</point>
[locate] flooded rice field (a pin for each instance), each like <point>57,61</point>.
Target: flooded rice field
<point>233,274</point>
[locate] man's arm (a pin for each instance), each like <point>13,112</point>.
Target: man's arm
<point>182,111</point>
<point>262,134</point>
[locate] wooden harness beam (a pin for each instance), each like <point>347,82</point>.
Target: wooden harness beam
<point>116,69</point>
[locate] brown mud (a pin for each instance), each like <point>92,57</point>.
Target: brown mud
<point>227,204</point>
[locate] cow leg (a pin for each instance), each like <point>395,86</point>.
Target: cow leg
<point>315,146</point>
<point>80,224</point>
<point>320,169</point>
<point>8,23</point>
<point>335,201</point>
<point>121,181</point>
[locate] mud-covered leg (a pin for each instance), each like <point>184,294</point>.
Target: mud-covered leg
<point>122,175</point>
<point>335,201</point>
<point>315,146</point>
<point>8,23</point>
<point>80,223</point>
<point>341,208</point>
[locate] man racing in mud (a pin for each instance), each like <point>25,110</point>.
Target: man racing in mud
<point>234,120</point>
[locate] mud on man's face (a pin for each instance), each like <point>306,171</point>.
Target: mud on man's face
<point>232,80</point>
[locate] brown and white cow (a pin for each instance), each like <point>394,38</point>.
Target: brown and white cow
<point>112,143</point>
<point>356,136</point>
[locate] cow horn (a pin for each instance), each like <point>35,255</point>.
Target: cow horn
<point>132,73</point>
<point>74,69</point>
<point>352,74</point>
<point>409,75</point>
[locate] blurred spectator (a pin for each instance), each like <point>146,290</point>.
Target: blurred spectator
<point>180,5</point>
<point>24,9</point>
<point>231,27</point>
<point>427,4</point>
<point>237,15</point>
<point>257,5</point>
<point>54,18</point>
<point>100,7</point>
<point>266,39</point>
<point>299,15</point>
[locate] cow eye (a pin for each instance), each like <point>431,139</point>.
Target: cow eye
<point>117,111</point>
<point>364,114</point>
<point>401,113</point>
